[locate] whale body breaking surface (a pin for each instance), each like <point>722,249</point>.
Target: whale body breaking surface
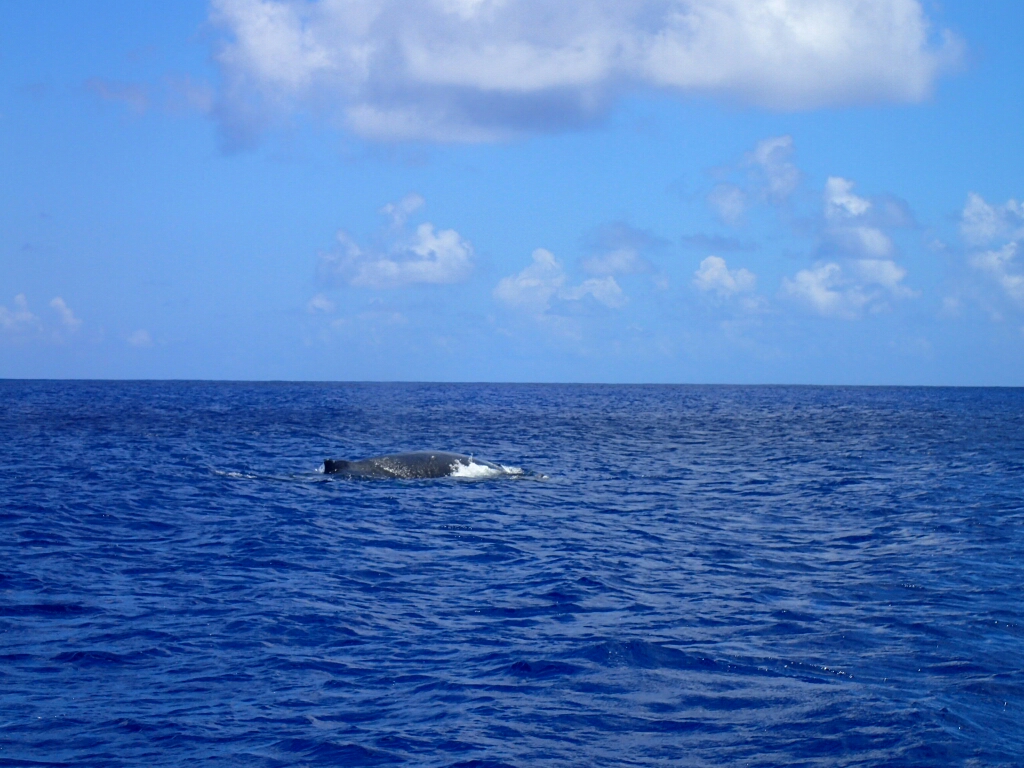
<point>416,465</point>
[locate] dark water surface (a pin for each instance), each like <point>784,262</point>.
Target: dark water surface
<point>707,576</point>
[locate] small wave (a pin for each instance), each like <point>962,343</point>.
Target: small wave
<point>234,475</point>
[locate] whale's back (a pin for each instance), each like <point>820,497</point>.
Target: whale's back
<point>413,465</point>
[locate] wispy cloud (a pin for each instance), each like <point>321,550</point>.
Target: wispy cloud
<point>771,159</point>
<point>320,303</point>
<point>482,70</point>
<point>729,203</point>
<point>173,94</point>
<point>766,174</point>
<point>399,212</point>
<point>620,249</point>
<point>139,339</point>
<point>704,242</point>
<point>135,96</point>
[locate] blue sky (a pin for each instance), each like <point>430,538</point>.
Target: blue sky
<point>795,191</point>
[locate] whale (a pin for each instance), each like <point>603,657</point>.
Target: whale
<point>415,465</point>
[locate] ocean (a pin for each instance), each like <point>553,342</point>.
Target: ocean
<point>680,576</point>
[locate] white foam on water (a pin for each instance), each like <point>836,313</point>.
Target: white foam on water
<point>236,475</point>
<point>479,471</point>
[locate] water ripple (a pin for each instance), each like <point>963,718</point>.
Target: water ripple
<point>702,576</point>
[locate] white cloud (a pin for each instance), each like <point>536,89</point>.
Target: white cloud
<point>781,177</point>
<point>888,274</point>
<point>426,255</point>
<point>319,303</point>
<point>840,202</point>
<point>1000,265</point>
<point>472,70</point>
<point>67,317</point>
<point>400,211</point>
<point>951,307</point>
<point>621,261</point>
<point>821,288</point>
<point>729,202</point>
<point>543,281</point>
<point>20,319</point>
<point>765,175</point>
<point>847,222</point>
<point>714,275</point>
<point>21,323</point>
<point>604,289</point>
<point>533,288</point>
<point>618,248</point>
<point>429,257</point>
<point>140,339</point>
<point>832,291</point>
<point>982,223</point>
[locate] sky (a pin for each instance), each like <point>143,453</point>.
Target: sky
<point>652,191</point>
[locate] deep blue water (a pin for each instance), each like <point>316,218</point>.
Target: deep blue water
<point>706,576</point>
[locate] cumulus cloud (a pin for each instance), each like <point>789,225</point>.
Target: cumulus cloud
<point>426,255</point>
<point>1000,265</point>
<point>67,317</point>
<point>19,319</point>
<point>714,275</point>
<point>984,224</point>
<point>848,225</point>
<point>19,322</point>
<point>832,291</point>
<point>883,272</point>
<point>604,289</point>
<point>859,227</point>
<point>840,202</point>
<point>822,289</point>
<point>478,70</point>
<point>535,288</point>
